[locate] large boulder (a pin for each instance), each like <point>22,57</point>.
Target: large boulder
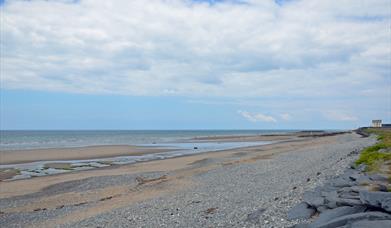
<point>371,224</point>
<point>376,199</point>
<point>335,213</point>
<point>301,211</point>
<point>334,202</point>
<point>352,218</point>
<point>342,182</point>
<point>314,198</point>
<point>386,205</point>
<point>378,177</point>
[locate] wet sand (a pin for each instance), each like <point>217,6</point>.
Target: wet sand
<point>77,153</point>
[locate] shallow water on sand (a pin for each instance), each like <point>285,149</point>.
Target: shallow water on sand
<point>33,169</point>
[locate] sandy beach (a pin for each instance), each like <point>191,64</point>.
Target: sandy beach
<point>211,189</point>
<point>77,153</point>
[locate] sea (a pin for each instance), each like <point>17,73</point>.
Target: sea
<point>41,139</point>
<point>181,142</point>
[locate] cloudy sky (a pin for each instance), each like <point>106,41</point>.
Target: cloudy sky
<point>182,64</point>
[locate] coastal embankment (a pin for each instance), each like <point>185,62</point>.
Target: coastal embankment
<point>358,198</point>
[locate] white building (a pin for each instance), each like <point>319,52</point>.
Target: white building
<point>376,123</point>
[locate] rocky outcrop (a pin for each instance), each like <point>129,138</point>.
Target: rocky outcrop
<point>354,199</point>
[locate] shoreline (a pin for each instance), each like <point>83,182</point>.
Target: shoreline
<point>17,156</point>
<point>9,157</point>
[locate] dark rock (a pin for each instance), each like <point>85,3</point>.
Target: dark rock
<point>349,172</point>
<point>314,199</point>
<point>382,188</point>
<point>331,199</point>
<point>335,213</point>
<point>363,179</point>
<point>254,216</point>
<point>341,182</point>
<point>330,195</point>
<point>338,202</point>
<point>348,189</point>
<point>375,199</point>
<point>318,173</point>
<point>308,179</point>
<point>372,224</point>
<point>378,177</point>
<point>294,187</point>
<point>348,219</point>
<point>357,188</point>
<point>349,195</point>
<point>386,205</point>
<point>361,167</point>
<point>195,148</point>
<point>301,211</point>
<point>322,209</point>
<point>354,177</point>
<point>348,202</point>
<point>300,225</point>
<point>328,188</point>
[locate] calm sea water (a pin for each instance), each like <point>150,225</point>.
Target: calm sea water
<point>16,140</point>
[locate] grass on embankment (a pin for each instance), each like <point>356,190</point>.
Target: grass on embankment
<point>376,160</point>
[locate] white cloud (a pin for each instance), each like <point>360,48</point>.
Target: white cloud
<point>257,117</point>
<point>340,116</point>
<point>285,116</point>
<point>259,49</point>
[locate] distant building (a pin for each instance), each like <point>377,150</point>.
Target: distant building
<point>376,123</point>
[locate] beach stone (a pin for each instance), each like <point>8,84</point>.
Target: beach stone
<point>335,213</point>
<point>330,197</point>
<point>300,225</point>
<point>382,188</point>
<point>347,189</point>
<point>254,216</point>
<point>386,204</point>
<point>349,219</point>
<point>341,182</point>
<point>338,202</point>
<point>322,209</point>
<point>372,224</point>
<point>348,202</point>
<point>363,179</point>
<point>361,167</point>
<point>314,199</point>
<point>329,188</point>
<point>376,199</point>
<point>354,177</point>
<point>301,211</point>
<point>349,195</point>
<point>378,177</point>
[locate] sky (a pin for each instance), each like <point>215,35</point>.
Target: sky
<point>182,64</point>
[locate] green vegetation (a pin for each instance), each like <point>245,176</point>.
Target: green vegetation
<point>378,157</point>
